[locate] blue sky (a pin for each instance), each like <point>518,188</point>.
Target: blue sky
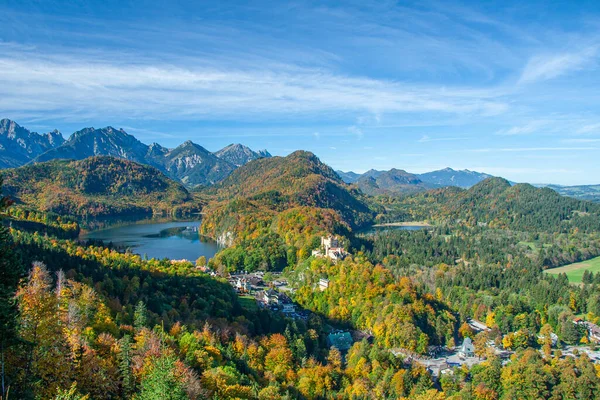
<point>508,88</point>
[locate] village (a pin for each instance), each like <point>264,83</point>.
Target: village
<point>271,290</point>
<point>443,360</point>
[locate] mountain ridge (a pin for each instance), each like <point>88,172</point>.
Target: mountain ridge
<point>19,145</point>
<point>190,163</point>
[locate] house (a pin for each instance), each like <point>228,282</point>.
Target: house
<point>467,349</point>
<point>270,298</point>
<point>593,331</point>
<point>242,284</point>
<point>477,326</point>
<point>341,340</point>
<point>323,284</point>
<point>255,280</point>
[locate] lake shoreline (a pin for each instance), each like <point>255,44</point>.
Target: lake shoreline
<point>157,238</point>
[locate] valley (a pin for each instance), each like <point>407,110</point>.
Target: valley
<point>294,277</point>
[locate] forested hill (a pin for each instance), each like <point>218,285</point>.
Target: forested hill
<point>96,186</point>
<point>495,203</point>
<point>300,179</point>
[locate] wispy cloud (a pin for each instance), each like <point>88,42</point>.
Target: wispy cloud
<point>589,128</point>
<point>355,130</point>
<point>549,66</point>
<point>427,138</point>
<point>528,128</point>
<point>74,87</point>
<point>582,140</point>
<point>529,149</point>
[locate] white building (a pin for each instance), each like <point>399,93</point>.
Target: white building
<point>330,248</point>
<point>467,349</point>
<point>242,284</point>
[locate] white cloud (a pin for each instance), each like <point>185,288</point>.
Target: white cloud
<point>530,127</point>
<point>549,66</point>
<point>78,87</point>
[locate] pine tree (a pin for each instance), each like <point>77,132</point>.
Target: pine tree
<point>125,367</point>
<point>162,383</point>
<point>140,316</point>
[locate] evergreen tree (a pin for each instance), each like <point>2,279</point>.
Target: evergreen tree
<point>128,381</point>
<point>162,383</point>
<point>140,316</point>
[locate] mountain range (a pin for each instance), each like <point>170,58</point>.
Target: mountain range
<point>443,177</point>
<point>189,163</point>
<point>194,166</point>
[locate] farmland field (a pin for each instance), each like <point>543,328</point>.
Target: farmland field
<point>575,271</point>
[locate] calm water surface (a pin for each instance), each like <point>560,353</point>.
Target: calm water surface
<point>375,229</point>
<point>175,240</point>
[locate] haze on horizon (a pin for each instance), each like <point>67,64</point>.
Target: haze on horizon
<point>507,88</point>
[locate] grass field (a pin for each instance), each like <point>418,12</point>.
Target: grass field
<point>575,271</point>
<point>248,302</point>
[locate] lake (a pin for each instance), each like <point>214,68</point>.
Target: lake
<point>391,227</point>
<point>176,240</point>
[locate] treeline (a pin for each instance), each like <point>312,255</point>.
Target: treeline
<point>52,224</point>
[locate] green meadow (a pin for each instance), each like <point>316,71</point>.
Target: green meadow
<point>575,271</point>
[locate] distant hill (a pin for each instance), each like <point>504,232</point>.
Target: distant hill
<point>496,203</point>
<point>189,163</point>
<point>397,181</point>
<point>238,154</point>
<point>18,145</point>
<point>96,186</point>
<point>394,181</point>
<point>348,177</point>
<point>581,192</point>
<point>449,177</point>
